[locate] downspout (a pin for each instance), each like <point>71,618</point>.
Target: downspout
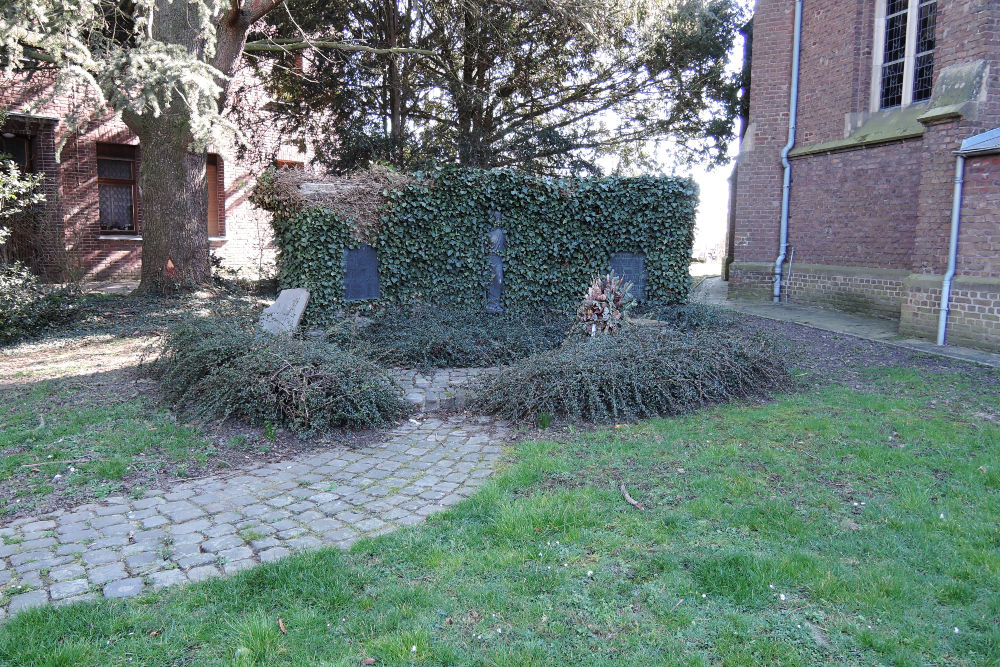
<point>956,218</point>
<point>793,105</point>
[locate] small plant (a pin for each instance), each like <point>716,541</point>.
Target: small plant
<point>605,306</point>
<point>544,420</point>
<point>270,431</point>
<point>251,535</point>
<point>28,307</point>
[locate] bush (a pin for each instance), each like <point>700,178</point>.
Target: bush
<point>428,337</point>
<point>430,235</point>
<point>641,372</point>
<point>692,317</point>
<point>226,367</point>
<point>29,307</point>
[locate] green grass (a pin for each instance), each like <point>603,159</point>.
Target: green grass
<point>807,531</point>
<point>92,441</point>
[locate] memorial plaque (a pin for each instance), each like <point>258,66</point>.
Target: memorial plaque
<point>283,316</point>
<point>632,267</point>
<point>361,274</point>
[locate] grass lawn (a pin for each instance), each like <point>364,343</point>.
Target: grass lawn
<point>840,525</point>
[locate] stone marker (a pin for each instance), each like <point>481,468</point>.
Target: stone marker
<point>361,273</point>
<point>632,267</point>
<point>283,316</point>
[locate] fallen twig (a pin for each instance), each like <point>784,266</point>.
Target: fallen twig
<point>629,499</point>
<point>48,463</point>
<point>679,602</point>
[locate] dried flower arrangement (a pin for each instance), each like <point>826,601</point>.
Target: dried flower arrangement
<point>606,305</point>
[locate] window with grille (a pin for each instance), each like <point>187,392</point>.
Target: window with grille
<point>904,52</point>
<point>116,188</point>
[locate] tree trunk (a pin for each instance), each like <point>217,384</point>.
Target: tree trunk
<point>174,195</point>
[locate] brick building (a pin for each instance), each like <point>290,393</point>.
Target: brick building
<point>888,91</point>
<point>90,227</point>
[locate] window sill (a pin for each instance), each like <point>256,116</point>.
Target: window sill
<point>217,238</point>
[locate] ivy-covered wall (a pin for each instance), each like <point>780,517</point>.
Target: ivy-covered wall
<point>431,238</point>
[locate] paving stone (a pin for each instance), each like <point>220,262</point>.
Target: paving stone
<point>195,526</point>
<point>105,573</point>
<point>273,554</point>
<point>66,572</point>
<point>203,572</point>
<point>369,525</point>
<point>27,600</point>
<point>100,556</point>
<point>239,553</point>
<point>235,566</point>
<point>196,559</point>
<point>141,559</point>
<point>35,526</point>
<point>167,578</point>
<point>65,589</point>
<point>124,588</point>
<point>221,543</point>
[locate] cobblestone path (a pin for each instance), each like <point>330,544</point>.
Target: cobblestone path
<point>121,546</point>
<point>444,389</point>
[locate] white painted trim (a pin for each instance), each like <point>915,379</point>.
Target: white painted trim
<point>878,53</point>
<point>218,238</point>
<point>119,237</point>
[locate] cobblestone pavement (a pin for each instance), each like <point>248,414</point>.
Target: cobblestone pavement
<point>437,390</point>
<point>121,546</point>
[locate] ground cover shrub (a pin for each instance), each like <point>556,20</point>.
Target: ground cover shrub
<point>225,367</point>
<point>28,307</point>
<point>433,337</point>
<point>637,373</point>
<point>690,316</point>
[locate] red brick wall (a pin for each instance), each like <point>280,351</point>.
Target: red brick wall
<point>835,67</point>
<point>979,239</point>
<point>758,193</point>
<point>851,209</point>
<point>71,185</point>
<point>884,207</point>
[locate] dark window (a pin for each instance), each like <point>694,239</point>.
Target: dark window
<point>17,149</point>
<point>212,171</point>
<point>116,188</point>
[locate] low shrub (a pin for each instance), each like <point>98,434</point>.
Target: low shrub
<point>691,316</point>
<point>225,367</point>
<point>638,373</point>
<point>431,337</point>
<point>28,307</point>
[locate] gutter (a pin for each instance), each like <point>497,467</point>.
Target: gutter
<point>956,219</point>
<point>985,143</point>
<point>793,106</point>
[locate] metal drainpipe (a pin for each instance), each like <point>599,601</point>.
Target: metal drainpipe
<point>793,105</point>
<point>956,218</point>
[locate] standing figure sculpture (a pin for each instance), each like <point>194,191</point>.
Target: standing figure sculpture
<point>497,243</point>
